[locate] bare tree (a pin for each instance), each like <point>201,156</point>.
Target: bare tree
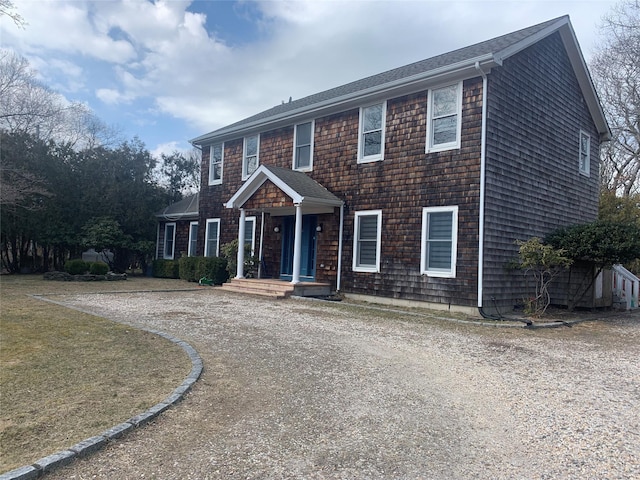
<point>7,8</point>
<point>28,106</point>
<point>616,73</point>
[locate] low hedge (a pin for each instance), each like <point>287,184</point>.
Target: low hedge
<point>166,268</point>
<point>98,268</point>
<point>192,269</point>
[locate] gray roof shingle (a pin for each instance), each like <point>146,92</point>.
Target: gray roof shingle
<point>477,50</point>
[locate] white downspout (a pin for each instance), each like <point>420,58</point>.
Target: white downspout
<point>339,275</point>
<point>297,246</point>
<point>483,147</point>
<point>240,267</point>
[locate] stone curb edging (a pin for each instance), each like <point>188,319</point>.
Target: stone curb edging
<point>90,445</point>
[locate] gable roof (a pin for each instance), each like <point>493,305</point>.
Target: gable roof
<point>461,63</point>
<point>184,209</point>
<point>301,188</point>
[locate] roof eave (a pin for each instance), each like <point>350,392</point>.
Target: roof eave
<point>404,86</point>
<point>570,41</point>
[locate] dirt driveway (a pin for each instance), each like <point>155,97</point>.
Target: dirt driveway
<point>302,389</point>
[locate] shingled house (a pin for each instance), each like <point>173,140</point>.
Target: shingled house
<point>178,229</point>
<point>414,184</point>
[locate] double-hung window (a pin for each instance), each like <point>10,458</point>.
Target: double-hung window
<point>371,135</point>
<point>444,118</point>
<point>216,158</point>
<point>169,241</point>
<point>212,238</point>
<point>250,233</point>
<point>439,241</point>
<point>585,153</point>
<point>250,155</point>
<point>193,239</point>
<point>366,241</point>
<point>303,147</point>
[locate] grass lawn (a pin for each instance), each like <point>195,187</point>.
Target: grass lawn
<point>66,376</point>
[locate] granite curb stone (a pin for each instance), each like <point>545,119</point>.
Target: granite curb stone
<point>93,444</point>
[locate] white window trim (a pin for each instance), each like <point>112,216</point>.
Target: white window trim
<point>244,155</point>
<point>253,233</point>
<point>378,156</point>
<point>587,170</point>
<point>190,252</point>
<point>218,181</point>
<point>206,238</point>
<point>356,236</point>
<point>295,138</point>
<point>443,146</point>
<point>173,242</point>
<point>450,273</point>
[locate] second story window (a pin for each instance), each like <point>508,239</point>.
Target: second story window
<point>250,155</point>
<point>371,137</point>
<point>444,118</point>
<point>303,147</point>
<point>585,153</point>
<point>215,164</point>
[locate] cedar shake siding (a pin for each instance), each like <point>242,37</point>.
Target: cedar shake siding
<point>539,98</point>
<point>533,185</point>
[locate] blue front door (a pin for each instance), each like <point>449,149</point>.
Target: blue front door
<point>308,254</point>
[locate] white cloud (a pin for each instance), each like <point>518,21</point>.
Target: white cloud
<point>161,53</point>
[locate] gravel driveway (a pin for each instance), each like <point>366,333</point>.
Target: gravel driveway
<point>308,389</point>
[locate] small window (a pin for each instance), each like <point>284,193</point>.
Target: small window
<point>193,239</point>
<point>366,241</point>
<point>439,241</point>
<point>169,241</point>
<point>212,237</point>
<point>215,164</point>
<point>303,150</point>
<point>250,233</point>
<point>444,118</point>
<point>371,137</point>
<point>250,156</point>
<point>585,153</point>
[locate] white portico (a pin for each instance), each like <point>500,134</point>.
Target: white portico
<point>303,197</point>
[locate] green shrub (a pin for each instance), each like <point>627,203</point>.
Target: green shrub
<point>230,252</point>
<point>188,268</point>
<point>76,267</point>
<point>166,268</point>
<point>214,268</point>
<point>98,268</point>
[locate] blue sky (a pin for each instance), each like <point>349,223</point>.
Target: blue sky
<point>168,71</point>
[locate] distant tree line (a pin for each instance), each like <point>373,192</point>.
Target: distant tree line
<point>68,182</point>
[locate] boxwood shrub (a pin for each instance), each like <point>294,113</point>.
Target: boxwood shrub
<point>188,268</point>
<point>76,267</point>
<point>166,268</point>
<point>98,268</point>
<point>213,268</point>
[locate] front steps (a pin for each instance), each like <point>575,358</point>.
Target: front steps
<point>273,288</point>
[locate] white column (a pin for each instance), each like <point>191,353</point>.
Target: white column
<point>240,269</point>
<point>297,245</point>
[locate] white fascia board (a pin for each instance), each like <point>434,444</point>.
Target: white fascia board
<point>403,86</point>
<point>572,47</point>
<point>586,83</point>
<point>255,181</point>
<point>505,53</point>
